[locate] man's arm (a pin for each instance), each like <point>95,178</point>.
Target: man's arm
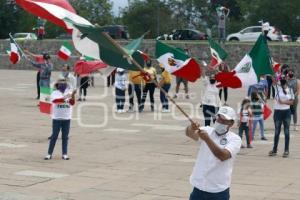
<point>221,154</point>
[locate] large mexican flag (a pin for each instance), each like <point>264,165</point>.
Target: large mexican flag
<point>254,64</point>
<point>177,62</point>
<point>45,100</point>
<point>102,48</point>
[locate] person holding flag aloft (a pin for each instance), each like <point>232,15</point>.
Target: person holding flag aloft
<point>62,100</point>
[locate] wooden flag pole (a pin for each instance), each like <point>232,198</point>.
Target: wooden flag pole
<point>142,70</point>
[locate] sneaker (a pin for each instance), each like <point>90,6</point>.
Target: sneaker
<point>249,146</point>
<point>272,153</point>
<point>175,96</point>
<point>84,99</point>
<point>118,111</point>
<point>187,96</point>
<point>165,111</point>
<point>65,157</point>
<point>123,111</point>
<point>48,157</point>
<point>264,138</point>
<point>295,128</point>
<point>225,104</point>
<point>79,99</point>
<point>242,146</point>
<point>49,138</point>
<point>285,154</point>
<point>37,97</point>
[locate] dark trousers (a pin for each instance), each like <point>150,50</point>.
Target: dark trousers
<point>209,113</point>
<point>163,99</point>
<point>282,117</point>
<point>111,79</point>
<point>134,88</point>
<point>244,127</point>
<point>64,126</point>
<point>120,98</point>
<point>83,91</point>
<point>270,87</point>
<point>149,87</point>
<point>225,93</point>
<point>201,195</point>
<point>38,84</point>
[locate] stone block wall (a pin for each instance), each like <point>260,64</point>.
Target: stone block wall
<point>288,53</point>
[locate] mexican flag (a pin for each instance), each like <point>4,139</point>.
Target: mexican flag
<point>177,62</point>
<point>14,55</point>
<point>102,48</point>
<point>65,51</point>
<point>256,63</point>
<point>218,54</point>
<point>52,10</point>
<point>45,101</point>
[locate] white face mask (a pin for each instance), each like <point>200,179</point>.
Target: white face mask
<point>220,129</point>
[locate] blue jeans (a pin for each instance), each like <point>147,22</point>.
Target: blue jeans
<point>163,99</point>
<point>282,117</point>
<point>64,126</point>
<point>44,82</point>
<point>201,195</point>
<point>222,35</point>
<point>260,120</point>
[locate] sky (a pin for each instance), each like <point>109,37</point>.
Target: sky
<point>117,4</point>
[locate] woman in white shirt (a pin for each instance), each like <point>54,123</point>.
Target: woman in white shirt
<point>284,98</point>
<point>211,100</point>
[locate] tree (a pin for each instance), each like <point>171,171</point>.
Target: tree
<point>152,15</point>
<point>96,11</point>
<point>282,14</point>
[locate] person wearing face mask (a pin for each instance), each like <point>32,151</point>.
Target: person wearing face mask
<point>149,86</point>
<point>294,85</point>
<point>62,99</point>
<point>70,78</point>
<point>211,99</point>
<point>284,98</point>
<point>211,176</point>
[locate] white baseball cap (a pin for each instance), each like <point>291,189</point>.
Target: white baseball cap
<point>228,112</point>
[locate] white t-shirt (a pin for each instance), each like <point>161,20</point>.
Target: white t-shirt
<point>61,110</point>
<point>283,97</point>
<point>211,94</point>
<point>211,174</point>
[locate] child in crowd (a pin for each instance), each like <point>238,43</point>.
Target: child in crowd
<point>245,121</point>
<point>257,106</point>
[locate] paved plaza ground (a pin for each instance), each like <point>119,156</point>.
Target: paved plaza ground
<point>134,156</point>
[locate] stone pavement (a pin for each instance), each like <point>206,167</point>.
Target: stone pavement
<point>126,156</point>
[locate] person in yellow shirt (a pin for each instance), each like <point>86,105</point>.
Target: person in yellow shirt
<point>165,83</point>
<point>136,82</point>
<point>150,85</point>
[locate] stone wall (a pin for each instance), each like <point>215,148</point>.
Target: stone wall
<point>288,53</point>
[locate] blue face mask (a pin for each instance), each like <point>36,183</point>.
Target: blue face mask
<point>62,87</point>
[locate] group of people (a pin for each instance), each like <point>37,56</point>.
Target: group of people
<point>211,176</point>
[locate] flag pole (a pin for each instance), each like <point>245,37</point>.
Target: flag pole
<point>142,70</point>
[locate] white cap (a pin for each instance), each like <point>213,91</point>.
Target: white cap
<point>120,70</point>
<point>228,112</point>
